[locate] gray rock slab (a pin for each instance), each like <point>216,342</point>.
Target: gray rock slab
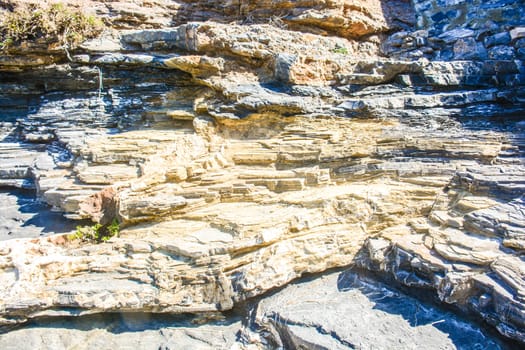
<point>346,311</point>
<point>122,331</point>
<point>22,216</point>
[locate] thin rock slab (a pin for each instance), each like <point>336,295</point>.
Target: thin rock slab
<point>124,331</point>
<point>23,216</point>
<point>345,310</point>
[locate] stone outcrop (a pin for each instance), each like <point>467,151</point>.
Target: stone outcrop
<point>122,331</point>
<point>359,313</point>
<point>347,18</point>
<point>463,30</point>
<point>240,156</point>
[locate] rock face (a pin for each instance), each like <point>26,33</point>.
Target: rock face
<point>125,331</point>
<point>23,215</point>
<point>360,314</point>
<point>240,153</point>
<point>462,30</point>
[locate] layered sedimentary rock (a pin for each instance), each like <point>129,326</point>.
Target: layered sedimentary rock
<point>237,157</point>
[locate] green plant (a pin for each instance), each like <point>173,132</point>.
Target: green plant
<point>113,228</point>
<point>340,49</point>
<point>54,23</point>
<point>97,232</point>
<point>6,43</point>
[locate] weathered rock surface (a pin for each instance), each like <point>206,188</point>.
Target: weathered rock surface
<point>466,251</point>
<point>360,313</point>
<point>124,331</point>
<point>23,215</point>
<point>238,157</point>
<point>352,18</point>
<point>462,30</point>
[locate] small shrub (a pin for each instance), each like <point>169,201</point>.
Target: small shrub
<point>55,23</point>
<point>113,229</point>
<point>97,232</point>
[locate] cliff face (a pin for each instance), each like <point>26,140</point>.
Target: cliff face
<point>241,145</point>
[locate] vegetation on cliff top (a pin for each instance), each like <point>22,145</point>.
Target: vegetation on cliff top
<point>52,23</point>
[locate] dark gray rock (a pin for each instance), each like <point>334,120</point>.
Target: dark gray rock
<point>283,64</point>
<point>456,34</point>
<point>167,38</point>
<point>469,49</point>
<point>360,313</point>
<point>502,52</point>
<point>506,220</point>
<point>520,53</point>
<point>247,99</point>
<point>23,216</point>
<point>520,43</point>
<point>124,331</point>
<point>459,24</point>
<point>497,39</point>
<point>498,181</point>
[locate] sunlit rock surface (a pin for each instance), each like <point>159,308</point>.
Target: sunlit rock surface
<point>240,153</point>
<point>126,331</point>
<point>357,312</point>
<point>360,313</point>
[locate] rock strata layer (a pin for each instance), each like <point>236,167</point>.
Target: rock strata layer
<point>238,157</point>
<point>358,312</point>
<point>125,331</point>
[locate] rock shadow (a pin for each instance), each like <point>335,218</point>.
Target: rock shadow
<point>418,312</point>
<point>24,216</point>
<point>118,323</point>
<point>42,215</point>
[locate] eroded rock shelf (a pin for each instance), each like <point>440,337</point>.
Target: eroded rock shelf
<point>271,141</point>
